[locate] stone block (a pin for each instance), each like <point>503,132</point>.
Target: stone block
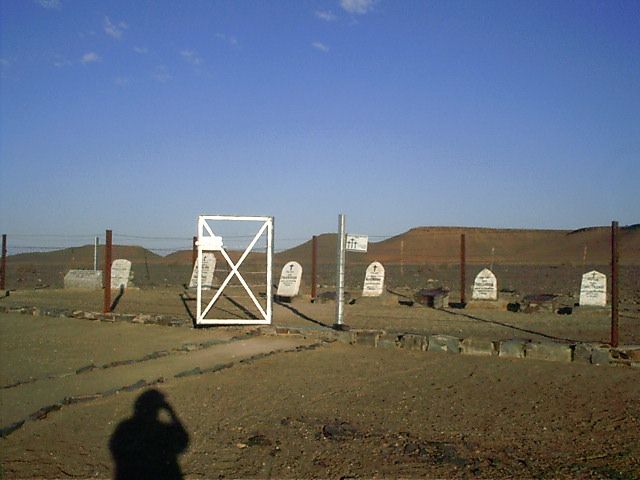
<point>550,351</point>
<point>444,343</point>
<point>475,346</point>
<point>142,318</point>
<point>367,338</point>
<point>388,340</point>
<point>410,341</point>
<point>88,279</point>
<point>500,304</point>
<point>582,352</point>
<point>601,355</point>
<point>511,349</point>
<point>344,337</point>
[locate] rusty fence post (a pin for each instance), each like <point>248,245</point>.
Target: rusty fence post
<point>614,284</point>
<point>194,251</point>
<point>463,261</point>
<point>314,266</point>
<point>3,264</point>
<point>106,308</point>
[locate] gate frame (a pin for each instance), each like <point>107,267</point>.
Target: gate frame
<point>209,241</point>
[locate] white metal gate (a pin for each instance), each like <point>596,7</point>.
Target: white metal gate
<point>208,241</point>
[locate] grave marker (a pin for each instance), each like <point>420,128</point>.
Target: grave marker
<point>485,286</point>
<point>120,272</point>
<point>208,269</point>
<point>90,279</point>
<point>593,289</point>
<point>373,280</point>
<point>289,285</point>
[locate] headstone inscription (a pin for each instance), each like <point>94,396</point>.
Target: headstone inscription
<point>120,272</point>
<point>373,280</point>
<point>208,269</point>
<point>289,284</point>
<point>593,289</point>
<point>91,279</point>
<point>485,286</point>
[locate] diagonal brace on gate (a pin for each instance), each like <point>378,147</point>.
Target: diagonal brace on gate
<point>235,272</point>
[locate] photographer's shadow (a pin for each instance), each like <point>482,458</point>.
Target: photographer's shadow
<point>146,446</point>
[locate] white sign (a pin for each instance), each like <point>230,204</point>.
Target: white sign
<point>120,271</point>
<point>485,286</point>
<point>212,242</point>
<point>289,284</point>
<point>373,280</point>
<point>593,289</point>
<point>208,269</point>
<point>357,243</point>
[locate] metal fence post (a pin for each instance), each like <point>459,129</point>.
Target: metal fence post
<point>3,264</point>
<point>95,254</point>
<point>463,258</point>
<point>614,284</point>
<point>314,266</point>
<point>106,307</point>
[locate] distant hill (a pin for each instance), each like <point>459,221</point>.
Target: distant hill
<point>441,245</point>
<point>421,245</point>
<point>82,257</point>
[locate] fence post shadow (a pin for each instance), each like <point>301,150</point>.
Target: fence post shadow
<point>146,447</point>
<point>116,300</point>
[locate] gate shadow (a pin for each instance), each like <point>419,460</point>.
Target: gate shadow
<point>512,327</point>
<point>302,315</point>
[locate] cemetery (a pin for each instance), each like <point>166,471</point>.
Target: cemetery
<point>297,396</point>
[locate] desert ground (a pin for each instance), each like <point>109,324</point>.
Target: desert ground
<point>255,405</point>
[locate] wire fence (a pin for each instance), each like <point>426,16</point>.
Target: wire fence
<point>427,257</point>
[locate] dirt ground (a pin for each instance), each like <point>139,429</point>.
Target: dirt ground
<point>385,313</point>
<point>306,406</point>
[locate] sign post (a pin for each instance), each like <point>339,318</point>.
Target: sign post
<point>346,243</point>
<point>341,243</point>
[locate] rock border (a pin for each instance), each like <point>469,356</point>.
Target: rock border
<point>516,348</point>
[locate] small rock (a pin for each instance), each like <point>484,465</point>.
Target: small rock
<point>258,440</point>
<point>141,319</point>
<point>241,445</point>
<point>338,431</point>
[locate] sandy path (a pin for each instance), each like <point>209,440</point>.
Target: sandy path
<point>21,401</point>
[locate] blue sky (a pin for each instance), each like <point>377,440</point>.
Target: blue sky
<point>138,116</point>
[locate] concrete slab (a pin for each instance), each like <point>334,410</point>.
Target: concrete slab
<point>511,349</point>
<point>413,342</point>
<point>388,340</point>
<point>366,338</point>
<point>582,352</point>
<point>475,346</point>
<point>549,351</point>
<point>601,355</point>
<point>444,343</point>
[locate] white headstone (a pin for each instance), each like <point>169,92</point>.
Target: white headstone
<point>485,286</point>
<point>373,280</point>
<point>83,279</point>
<point>593,289</point>
<point>289,284</point>
<point>120,271</point>
<point>208,269</point>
